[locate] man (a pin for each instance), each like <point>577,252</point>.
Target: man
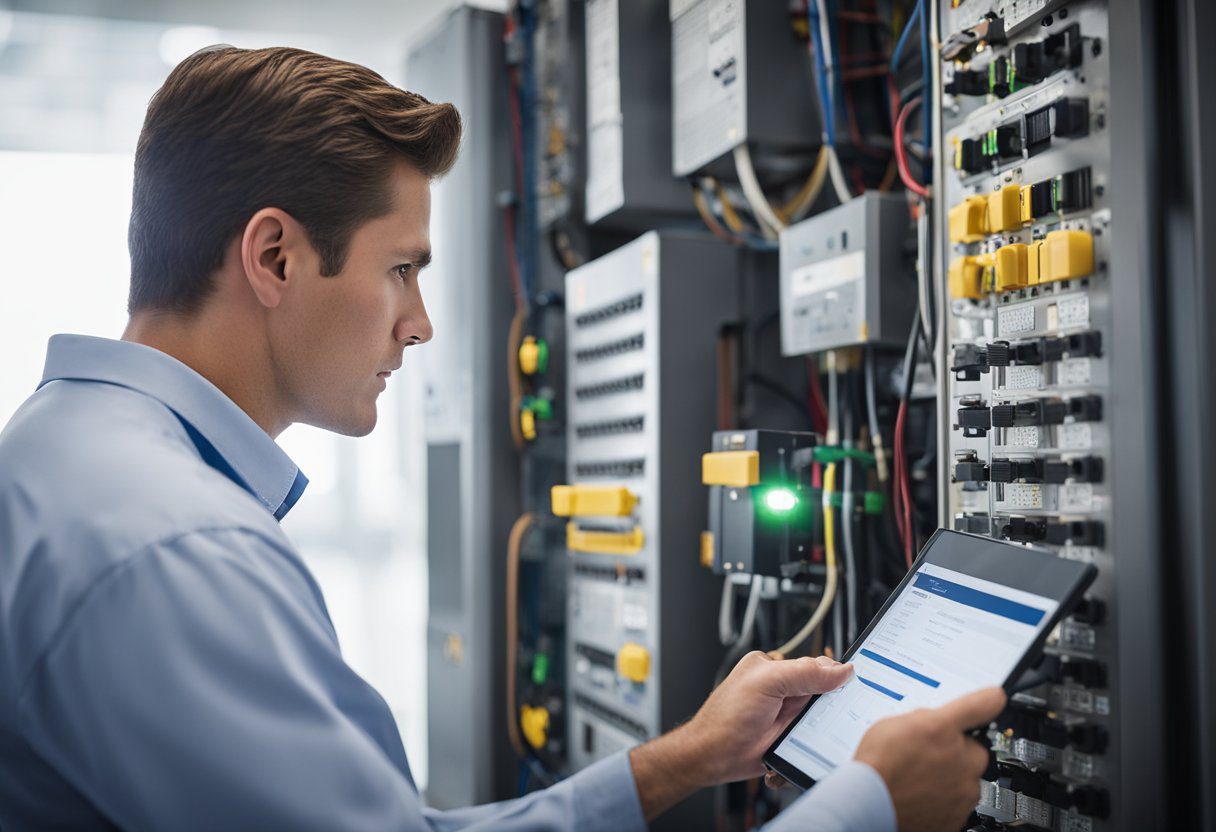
<point>166,659</point>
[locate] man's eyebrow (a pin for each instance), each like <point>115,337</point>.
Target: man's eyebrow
<point>419,258</point>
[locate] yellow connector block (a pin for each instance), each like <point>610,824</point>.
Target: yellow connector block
<point>529,356</point>
<point>633,662</point>
<point>592,501</point>
<point>967,220</point>
<point>707,550</point>
<point>964,279</point>
<point>1067,255</point>
<point>1005,209</point>
<point>736,469</point>
<point>1012,271</point>
<point>1024,205</point>
<point>604,543</point>
<point>534,722</point>
<point>527,424</point>
<point>1034,263</point>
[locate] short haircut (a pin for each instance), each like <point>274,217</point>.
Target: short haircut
<point>233,131</point>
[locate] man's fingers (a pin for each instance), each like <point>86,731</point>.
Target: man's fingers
<point>975,709</point>
<point>800,677</point>
<point>774,780</point>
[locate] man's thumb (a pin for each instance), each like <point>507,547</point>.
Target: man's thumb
<point>805,676</point>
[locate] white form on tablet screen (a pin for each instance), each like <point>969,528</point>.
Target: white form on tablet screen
<point>947,634</point>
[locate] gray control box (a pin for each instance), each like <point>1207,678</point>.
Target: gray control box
<point>720,98</point>
<point>846,278</point>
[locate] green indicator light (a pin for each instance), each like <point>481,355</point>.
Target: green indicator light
<point>540,669</point>
<point>780,499</point>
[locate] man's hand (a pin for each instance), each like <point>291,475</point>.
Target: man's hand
<point>931,768</point>
<point>727,738</point>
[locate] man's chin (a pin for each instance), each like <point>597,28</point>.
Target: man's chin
<point>349,423</point>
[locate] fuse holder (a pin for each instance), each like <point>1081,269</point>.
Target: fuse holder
<point>592,501</point>
<point>1005,209</point>
<point>595,542</point>
<point>964,279</point>
<point>967,222</point>
<point>735,469</point>
<point>1011,267</point>
<point>1034,263</point>
<point>1067,255</point>
<point>527,424</point>
<point>534,724</point>
<point>1026,204</point>
<point>533,355</point>
<point>633,662</point>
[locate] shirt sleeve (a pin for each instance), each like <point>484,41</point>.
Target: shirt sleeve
<point>193,688</point>
<point>853,798</point>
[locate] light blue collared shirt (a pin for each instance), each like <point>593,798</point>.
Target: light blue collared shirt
<point>166,658</point>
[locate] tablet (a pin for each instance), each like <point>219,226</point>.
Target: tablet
<point>972,612</point>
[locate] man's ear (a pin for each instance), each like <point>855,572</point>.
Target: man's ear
<point>270,237</point>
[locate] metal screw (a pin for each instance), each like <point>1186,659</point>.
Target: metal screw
<point>1047,21</point>
<point>734,495</point>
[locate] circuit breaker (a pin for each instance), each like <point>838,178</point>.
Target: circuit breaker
<point>846,278</point>
<point>1024,233</point>
<point>642,637</point>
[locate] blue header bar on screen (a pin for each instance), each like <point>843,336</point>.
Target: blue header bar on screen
<point>980,600</point>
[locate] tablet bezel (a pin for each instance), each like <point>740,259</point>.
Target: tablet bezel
<point>998,568</point>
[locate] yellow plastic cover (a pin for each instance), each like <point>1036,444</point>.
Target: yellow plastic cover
<point>633,662</point>
<point>736,469</point>
<point>604,543</point>
<point>592,501</point>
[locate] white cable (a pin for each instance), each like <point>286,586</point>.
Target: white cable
<point>726,613</point>
<point>749,613</point>
<point>770,223</point>
<point>833,437</point>
<point>839,183</point>
<point>847,508</point>
<point>922,272</point>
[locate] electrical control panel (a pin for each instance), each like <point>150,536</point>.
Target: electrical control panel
<point>732,65</point>
<point>1024,236</point>
<point>846,278</point>
<point>641,609</point>
<point>629,181</point>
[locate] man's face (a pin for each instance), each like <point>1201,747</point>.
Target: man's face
<point>339,337</point>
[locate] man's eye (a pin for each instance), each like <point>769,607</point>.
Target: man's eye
<point>403,271</point>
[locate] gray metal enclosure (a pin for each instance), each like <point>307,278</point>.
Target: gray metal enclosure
<point>472,469</point>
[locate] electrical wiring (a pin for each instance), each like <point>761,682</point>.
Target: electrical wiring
<point>733,221</point>
<point>847,510</point>
<point>802,201</point>
<point>880,452</point>
<point>707,217</point>
<point>770,223</point>
<point>741,641</point>
<point>901,156</point>
<point>924,307</point>
<point>515,334</point>
<point>514,545</point>
<point>833,435</point>
<point>913,20</point>
<point>816,405</point>
<point>829,586</point>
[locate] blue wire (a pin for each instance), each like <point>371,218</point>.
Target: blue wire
<point>821,71</point>
<point>913,19</point>
<point>926,112</point>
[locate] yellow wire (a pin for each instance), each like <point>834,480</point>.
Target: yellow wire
<point>829,587</point>
<point>733,221</point>
<point>810,190</point>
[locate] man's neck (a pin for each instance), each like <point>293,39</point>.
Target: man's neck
<point>223,353</point>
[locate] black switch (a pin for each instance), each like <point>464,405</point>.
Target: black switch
<point>1076,532</point>
<point>1081,469</point>
<point>1071,117</point>
<point>1016,470</point>
<point>969,362</point>
<point>1085,409</point>
<point>968,82</point>
<point>1083,345</point>
<point>1087,672</point>
<point>973,523</point>
<point>971,156</point>
<point>1024,530</point>
<point>971,471</point>
<point>974,421</point>
<point>1089,739</point>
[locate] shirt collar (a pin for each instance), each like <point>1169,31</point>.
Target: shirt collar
<point>225,436</point>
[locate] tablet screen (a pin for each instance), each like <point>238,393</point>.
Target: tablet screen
<point>945,635</point>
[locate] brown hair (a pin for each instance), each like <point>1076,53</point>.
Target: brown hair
<point>233,131</point>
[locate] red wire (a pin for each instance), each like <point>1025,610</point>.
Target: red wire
<point>819,409</point>
<point>901,154</point>
<point>902,490</point>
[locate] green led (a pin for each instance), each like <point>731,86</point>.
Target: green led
<point>540,669</point>
<point>780,499</point>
